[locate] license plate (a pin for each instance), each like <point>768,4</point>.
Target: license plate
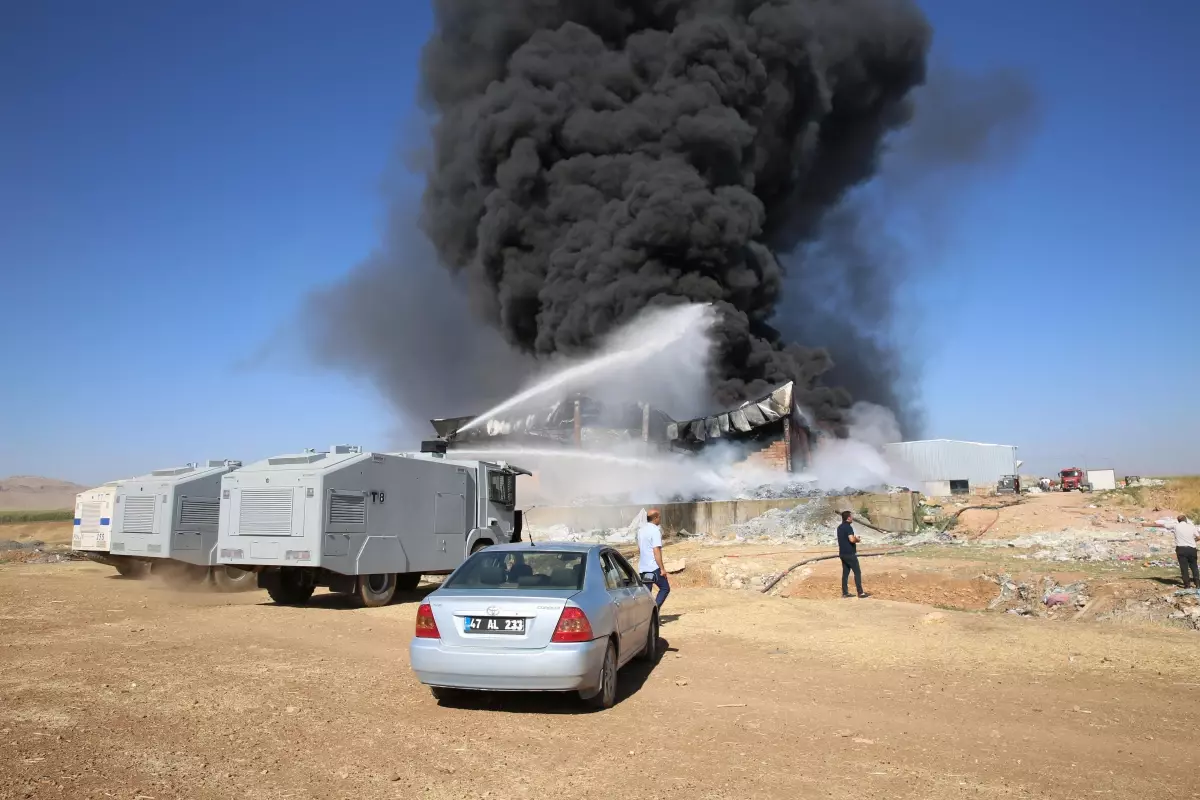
<point>493,625</point>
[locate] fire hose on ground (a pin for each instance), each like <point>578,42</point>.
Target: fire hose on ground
<point>893,551</point>
<point>789,570</point>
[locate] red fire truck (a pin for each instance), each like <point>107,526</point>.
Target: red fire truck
<point>1071,478</point>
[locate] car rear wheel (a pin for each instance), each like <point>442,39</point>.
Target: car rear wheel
<point>606,697</point>
<point>232,579</point>
<point>650,651</point>
<point>376,590</point>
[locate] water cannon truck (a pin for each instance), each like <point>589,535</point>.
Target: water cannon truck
<point>91,533</point>
<point>360,523</point>
<point>166,522</point>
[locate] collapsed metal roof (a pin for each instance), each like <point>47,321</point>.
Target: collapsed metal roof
<point>745,419</point>
<point>556,424</point>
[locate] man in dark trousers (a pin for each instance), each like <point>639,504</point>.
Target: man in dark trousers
<point>848,552</point>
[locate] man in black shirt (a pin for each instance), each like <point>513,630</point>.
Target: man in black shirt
<point>848,553</point>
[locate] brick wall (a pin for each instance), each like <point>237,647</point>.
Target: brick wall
<point>773,454</point>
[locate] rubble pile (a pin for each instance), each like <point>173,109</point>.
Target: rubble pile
<point>742,573</point>
<point>1050,600</point>
<point>35,552</point>
<point>814,522</point>
<point>1149,548</point>
<point>564,533</point>
<point>1180,607</point>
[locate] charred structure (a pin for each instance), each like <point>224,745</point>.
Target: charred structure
<point>770,429</point>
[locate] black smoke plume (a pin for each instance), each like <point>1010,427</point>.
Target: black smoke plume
<point>592,158</point>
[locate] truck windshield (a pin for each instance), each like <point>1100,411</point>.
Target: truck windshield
<point>543,569</point>
<point>1070,473</point>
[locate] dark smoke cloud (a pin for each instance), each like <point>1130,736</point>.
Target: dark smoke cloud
<point>592,158</point>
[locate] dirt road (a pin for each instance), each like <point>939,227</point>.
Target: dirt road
<point>117,688</point>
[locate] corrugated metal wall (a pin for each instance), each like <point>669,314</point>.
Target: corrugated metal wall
<point>947,460</point>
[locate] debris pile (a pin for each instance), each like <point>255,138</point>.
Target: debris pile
<point>742,573</point>
<point>1177,608</point>
<point>1050,601</point>
<point>1137,546</point>
<point>813,522</point>
<point>35,552</point>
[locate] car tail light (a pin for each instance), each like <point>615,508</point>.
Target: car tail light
<point>573,626</point>
<point>426,624</point>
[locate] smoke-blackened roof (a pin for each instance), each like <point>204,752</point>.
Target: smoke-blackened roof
<point>745,419</point>
<point>556,423</point>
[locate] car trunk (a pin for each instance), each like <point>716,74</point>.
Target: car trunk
<point>540,609</point>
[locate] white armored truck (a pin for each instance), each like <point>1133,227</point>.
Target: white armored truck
<point>166,522</point>
<point>363,524</point>
<point>92,529</point>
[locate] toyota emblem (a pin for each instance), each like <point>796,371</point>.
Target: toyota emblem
<point>492,611</point>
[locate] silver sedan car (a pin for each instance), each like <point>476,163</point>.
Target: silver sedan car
<point>536,617</point>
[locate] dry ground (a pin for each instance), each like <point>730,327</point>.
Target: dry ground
<point>52,533</point>
<point>118,688</point>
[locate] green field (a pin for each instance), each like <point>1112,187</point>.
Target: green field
<point>59,515</point>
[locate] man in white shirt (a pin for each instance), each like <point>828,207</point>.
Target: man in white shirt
<point>1185,548</point>
<point>650,555</point>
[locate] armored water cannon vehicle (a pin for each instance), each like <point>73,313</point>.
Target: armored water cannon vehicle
<point>362,523</point>
<point>91,533</point>
<point>166,522</point>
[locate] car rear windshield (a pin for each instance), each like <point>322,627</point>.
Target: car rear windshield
<point>525,570</point>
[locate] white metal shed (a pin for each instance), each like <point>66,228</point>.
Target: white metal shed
<point>946,465</point>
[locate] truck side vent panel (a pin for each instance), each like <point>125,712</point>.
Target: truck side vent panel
<point>139,514</point>
<point>266,511</point>
<point>200,511</point>
<point>347,509</point>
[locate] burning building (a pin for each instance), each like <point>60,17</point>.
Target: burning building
<point>771,430</point>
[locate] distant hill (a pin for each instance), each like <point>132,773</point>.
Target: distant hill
<point>29,493</point>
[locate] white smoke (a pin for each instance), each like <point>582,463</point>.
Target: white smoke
<point>663,358</point>
<point>858,461</point>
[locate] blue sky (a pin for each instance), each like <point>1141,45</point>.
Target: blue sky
<point>176,177</point>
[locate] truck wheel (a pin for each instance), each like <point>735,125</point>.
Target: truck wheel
<point>182,576</point>
<point>132,569</point>
<point>290,589</point>
<point>376,590</point>
<point>408,581</point>
<point>232,579</point>
<point>480,545</point>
